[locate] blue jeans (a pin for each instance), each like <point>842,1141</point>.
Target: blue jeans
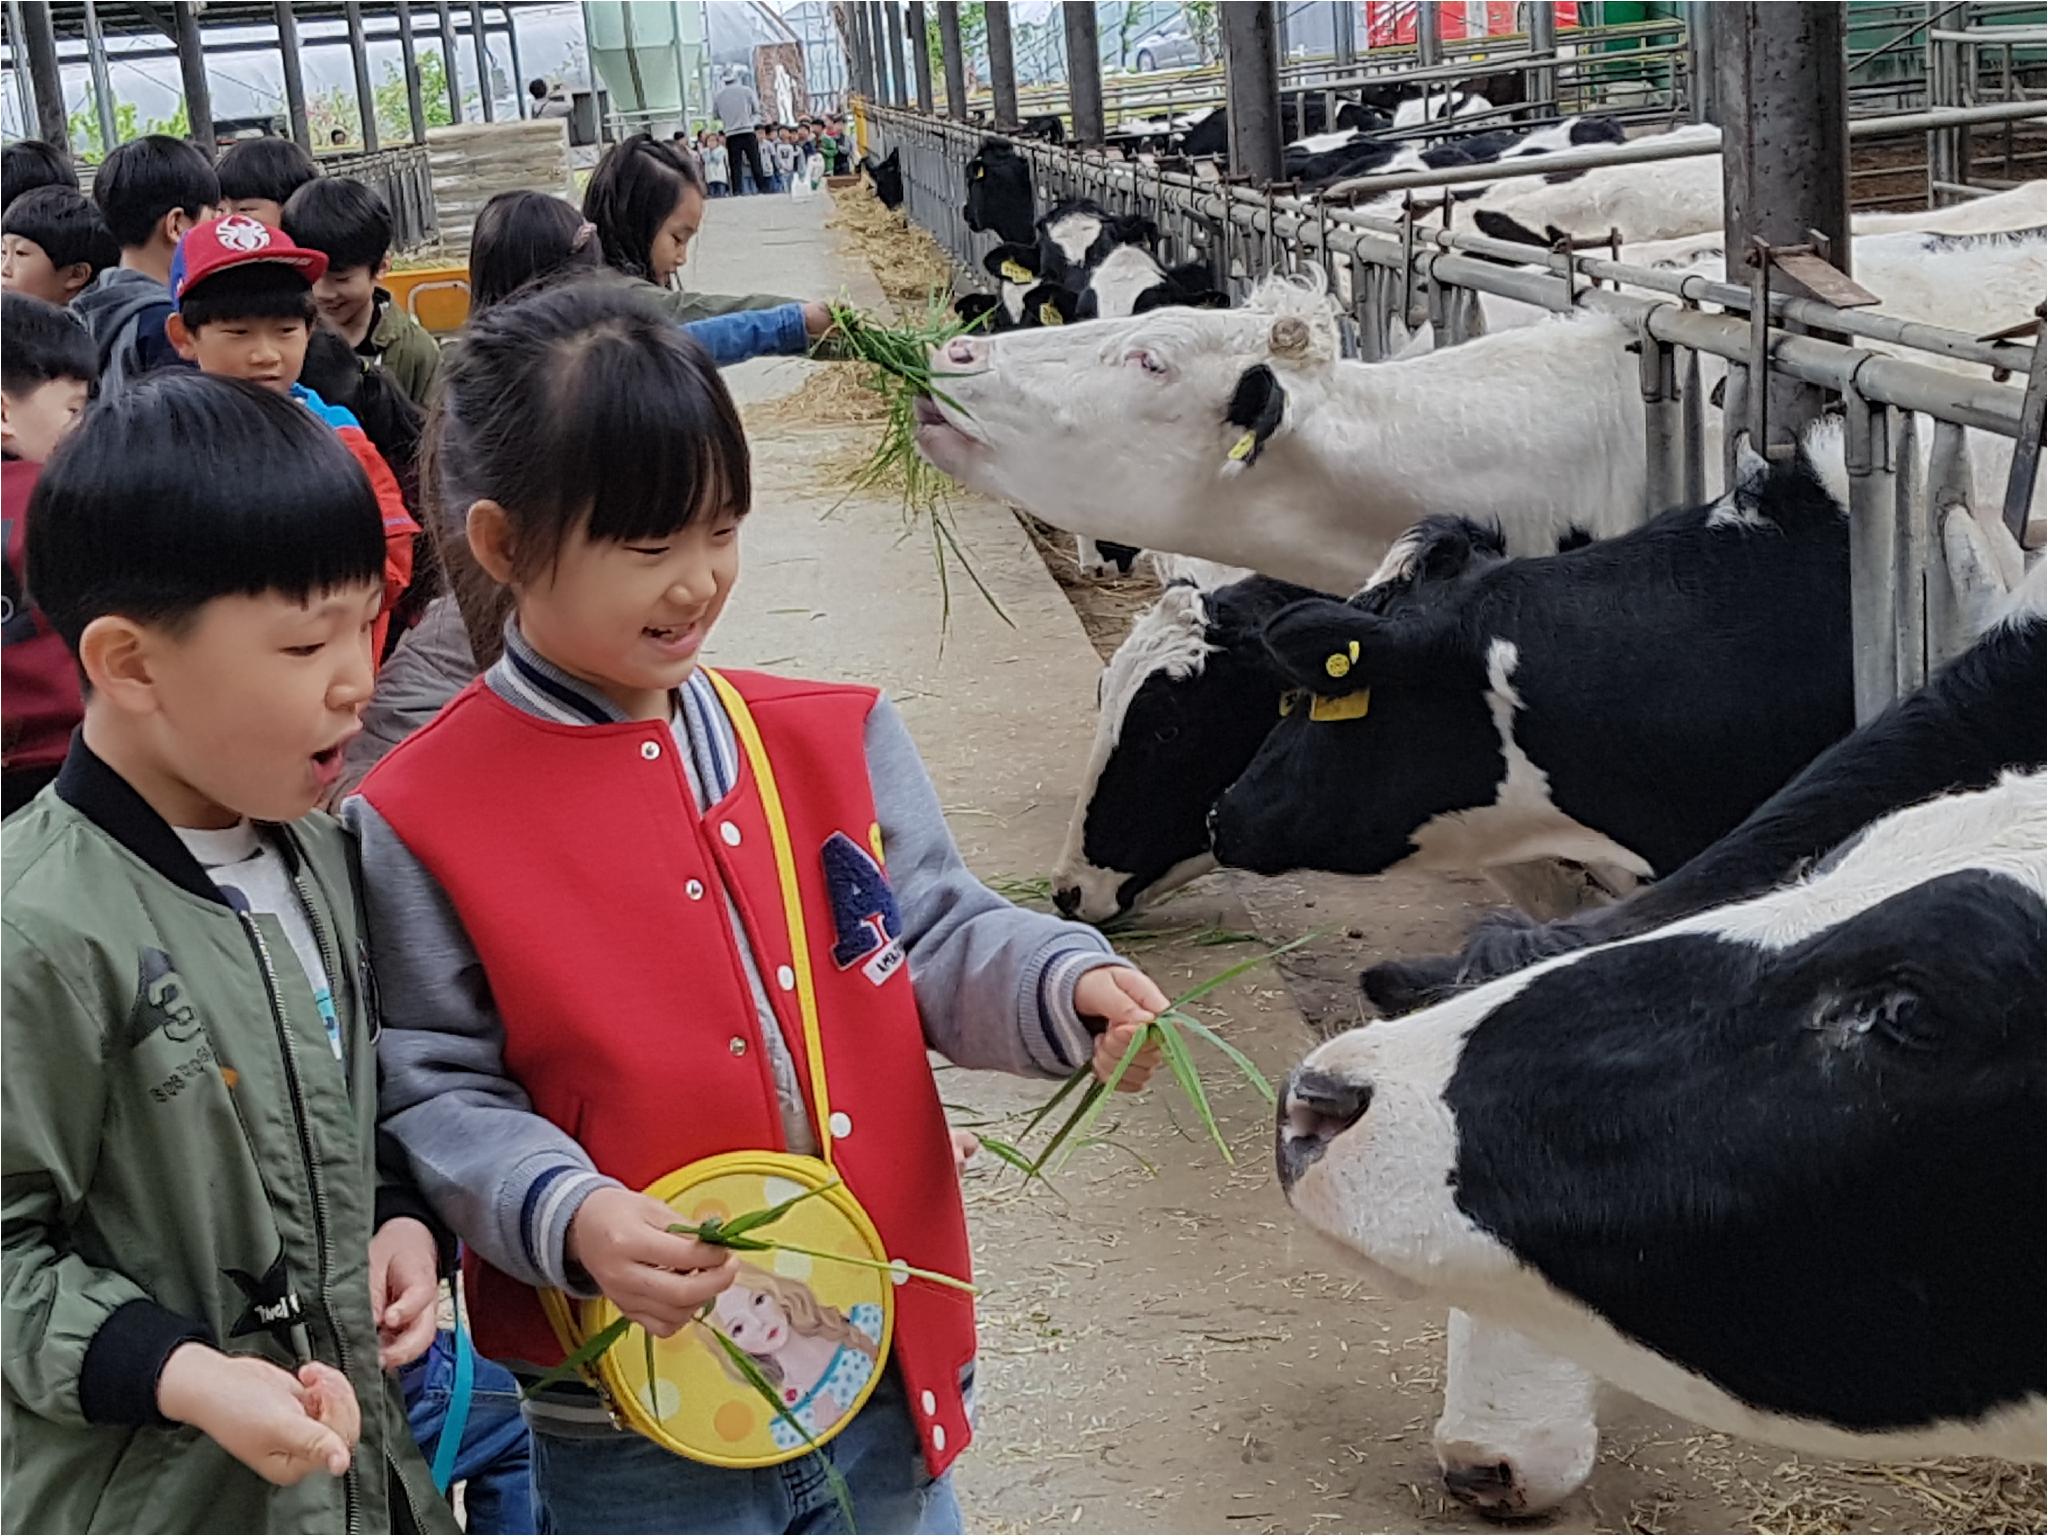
<point>495,1462</point>
<point>626,1483</point>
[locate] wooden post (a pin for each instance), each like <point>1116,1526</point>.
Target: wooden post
<point>954,59</point>
<point>191,65</point>
<point>415,106</point>
<point>1002,64</point>
<point>366,101</point>
<point>1084,70</point>
<point>921,55</point>
<point>1251,74</point>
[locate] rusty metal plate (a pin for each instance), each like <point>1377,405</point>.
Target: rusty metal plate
<point>1822,280</point>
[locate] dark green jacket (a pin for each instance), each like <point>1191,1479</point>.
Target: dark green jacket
<point>181,1157</point>
<point>404,349</point>
<point>685,307</point>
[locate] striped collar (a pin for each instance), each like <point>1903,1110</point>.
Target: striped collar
<point>528,681</point>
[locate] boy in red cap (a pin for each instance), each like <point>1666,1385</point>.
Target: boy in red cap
<point>244,297</point>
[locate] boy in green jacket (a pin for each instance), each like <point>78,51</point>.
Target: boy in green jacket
<point>204,1276</point>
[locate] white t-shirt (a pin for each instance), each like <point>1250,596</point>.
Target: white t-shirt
<point>715,164</point>
<point>252,876</point>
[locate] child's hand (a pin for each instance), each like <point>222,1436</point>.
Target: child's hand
<point>965,1145</point>
<point>1126,999</point>
<point>817,321</point>
<point>280,1426</point>
<point>658,1278</point>
<point>404,1289</point>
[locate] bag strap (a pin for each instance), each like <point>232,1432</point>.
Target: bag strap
<point>456,1421</point>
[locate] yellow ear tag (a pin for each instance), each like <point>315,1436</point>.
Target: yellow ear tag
<point>1288,700</point>
<point>1349,706</point>
<point>1017,272</point>
<point>1049,314</point>
<point>1242,448</point>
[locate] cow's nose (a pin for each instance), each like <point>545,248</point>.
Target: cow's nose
<point>1068,899</point>
<point>1489,1488</point>
<point>961,349</point>
<point>1315,1109</point>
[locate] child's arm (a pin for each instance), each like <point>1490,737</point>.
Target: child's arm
<point>784,331</point>
<point>994,982</point>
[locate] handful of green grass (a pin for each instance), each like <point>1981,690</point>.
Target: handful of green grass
<point>1175,1030</point>
<point>898,360</point>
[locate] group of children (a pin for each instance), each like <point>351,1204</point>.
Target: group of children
<point>594,913</point>
<point>810,149</point>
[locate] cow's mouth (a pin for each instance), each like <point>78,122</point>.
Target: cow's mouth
<point>941,436</point>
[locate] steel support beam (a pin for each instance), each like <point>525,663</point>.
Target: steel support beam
<point>1344,26</point>
<point>294,77</point>
<point>954,59</point>
<point>1543,43</point>
<point>1002,64</point>
<point>1429,34</point>
<point>863,51</point>
<point>1785,155</point>
<point>415,104</point>
<point>1251,83</point>
<point>1084,70</point>
<point>192,67</point>
<point>483,60</point>
<point>892,12</point>
<point>24,98</point>
<point>102,86</point>
<point>519,95</point>
<point>359,58</point>
<point>921,54</point>
<point>449,72</point>
<point>39,39</point>
<point>1700,29</point>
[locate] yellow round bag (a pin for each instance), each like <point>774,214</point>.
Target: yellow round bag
<point>817,1331</point>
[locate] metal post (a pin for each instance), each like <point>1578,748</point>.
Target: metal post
<point>511,14</point>
<point>102,87</point>
<point>40,37</point>
<point>192,66</point>
<point>863,54</point>
<point>921,55</point>
<point>1344,23</point>
<point>1429,34</point>
<point>878,63</point>
<point>294,79</point>
<point>415,106</point>
<point>448,70</point>
<point>1251,83</point>
<point>1700,28</point>
<point>893,12</point>
<point>483,60</point>
<point>954,59</point>
<point>24,98</point>
<point>1785,160</point>
<point>1664,428</point>
<point>1873,505</point>
<point>1543,44</point>
<point>1084,70</point>
<point>366,103</point>
<point>1002,65</point>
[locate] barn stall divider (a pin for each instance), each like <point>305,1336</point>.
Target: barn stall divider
<point>1909,616</point>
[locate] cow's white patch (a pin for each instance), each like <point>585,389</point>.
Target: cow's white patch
<point>1523,823</point>
<point>1121,277</point>
<point>1510,1404</point>
<point>1073,233</point>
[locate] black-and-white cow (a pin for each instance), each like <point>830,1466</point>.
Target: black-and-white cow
<point>999,196</point>
<point>1777,1168</point>
<point>1621,705</point>
<point>886,172</point>
<point>1982,715</point>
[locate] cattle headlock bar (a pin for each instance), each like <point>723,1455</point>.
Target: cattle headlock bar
<point>1908,614</point>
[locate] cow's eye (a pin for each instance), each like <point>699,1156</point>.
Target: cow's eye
<point>1151,362</point>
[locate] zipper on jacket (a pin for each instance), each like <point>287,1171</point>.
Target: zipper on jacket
<point>278,1017</point>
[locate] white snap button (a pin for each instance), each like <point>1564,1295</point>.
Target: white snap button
<point>737,1045</point>
<point>938,1437</point>
<point>785,978</point>
<point>841,1123</point>
<point>650,750</point>
<point>694,890</point>
<point>899,1272</point>
<point>731,834</point>
<point>929,1403</point>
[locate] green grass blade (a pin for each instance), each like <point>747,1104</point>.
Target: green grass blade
<point>1189,1077</point>
<point>1235,971</point>
<point>583,1355</point>
<point>1244,1063</point>
<point>1018,1159</point>
<point>752,1219</point>
<point>1074,1080</point>
<point>1100,1101</point>
<point>1088,1101</point>
<point>744,1364</point>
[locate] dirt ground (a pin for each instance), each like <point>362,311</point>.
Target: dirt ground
<point>1164,1348</point>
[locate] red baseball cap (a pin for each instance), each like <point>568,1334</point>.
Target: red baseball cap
<point>235,241</point>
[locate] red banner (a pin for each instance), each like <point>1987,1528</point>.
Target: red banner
<point>1390,23</point>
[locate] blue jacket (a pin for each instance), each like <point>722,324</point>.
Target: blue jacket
<point>750,333</point>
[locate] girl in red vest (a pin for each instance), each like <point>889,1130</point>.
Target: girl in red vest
<point>630,914</point>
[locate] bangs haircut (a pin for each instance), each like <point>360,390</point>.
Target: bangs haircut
<point>40,343</point>
<point>521,237</point>
<point>584,407</point>
<point>344,220</point>
<point>141,181</point>
<point>259,290</point>
<point>64,222</point>
<point>269,167</point>
<point>119,524</point>
<point>632,193</point>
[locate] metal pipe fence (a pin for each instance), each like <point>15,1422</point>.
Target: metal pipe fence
<point>1388,276</point>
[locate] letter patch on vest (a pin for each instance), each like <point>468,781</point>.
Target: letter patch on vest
<point>864,915</point>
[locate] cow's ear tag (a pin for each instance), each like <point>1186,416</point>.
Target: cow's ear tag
<point>1348,706</point>
<point>1049,314</point>
<point>1242,448</point>
<point>1339,662</point>
<point>1288,701</point>
<point>1017,272</point>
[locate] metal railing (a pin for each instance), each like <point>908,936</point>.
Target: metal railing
<point>1389,275</point>
<point>401,177</point>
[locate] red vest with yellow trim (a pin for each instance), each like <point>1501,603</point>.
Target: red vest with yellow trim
<point>576,859</point>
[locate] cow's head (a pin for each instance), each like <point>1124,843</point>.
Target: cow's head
<point>1397,721</point>
<point>1185,702</point>
<point>1174,422</point>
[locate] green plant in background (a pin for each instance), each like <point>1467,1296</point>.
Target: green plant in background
<point>90,144</point>
<point>973,42</point>
<point>394,118</point>
<point>1201,19</point>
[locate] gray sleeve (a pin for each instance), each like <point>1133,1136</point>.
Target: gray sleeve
<point>506,1179</point>
<point>994,981</point>
<point>430,666</point>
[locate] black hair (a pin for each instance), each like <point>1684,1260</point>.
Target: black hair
<point>66,224</point>
<point>141,181</point>
<point>341,218</point>
<point>30,163</point>
<point>578,406</point>
<point>520,237</point>
<point>268,167</point>
<point>256,290</point>
<point>40,342</point>
<point>537,89</point>
<point>631,194</point>
<point>118,523</point>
